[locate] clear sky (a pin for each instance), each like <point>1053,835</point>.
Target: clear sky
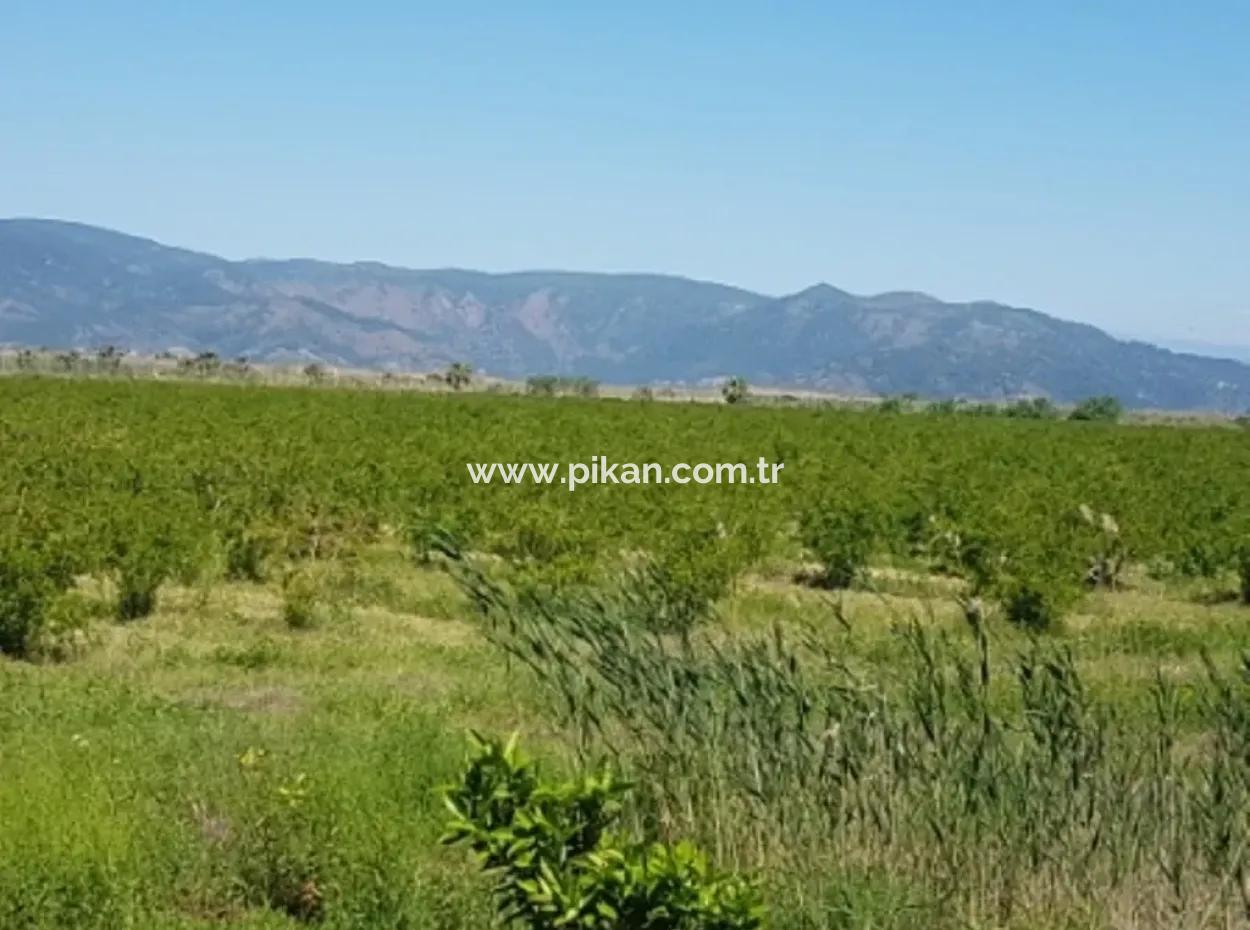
<point>1089,159</point>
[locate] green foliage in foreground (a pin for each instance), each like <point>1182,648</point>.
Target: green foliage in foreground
<point>557,860</point>
<point>881,780</point>
<point>948,754</point>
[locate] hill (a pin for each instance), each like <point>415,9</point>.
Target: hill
<point>71,285</point>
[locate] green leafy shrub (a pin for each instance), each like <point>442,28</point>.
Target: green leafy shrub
<point>313,598</point>
<point>1033,408</point>
<point>1105,409</point>
<point>842,537</point>
<point>141,567</point>
<point>558,862</point>
<point>964,553</point>
<point>144,548</point>
<point>675,588</point>
<point>30,582</point>
<point>300,609</point>
<point>1033,584</point>
<point>546,555</point>
<point>429,530</point>
<point>23,596</point>
<point>1035,587</point>
<point>1198,556</point>
<point>247,553</point>
<point>542,385</point>
<point>136,593</point>
<point>1029,605</point>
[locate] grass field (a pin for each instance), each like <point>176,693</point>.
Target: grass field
<point>327,606</point>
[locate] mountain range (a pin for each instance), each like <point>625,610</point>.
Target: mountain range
<point>71,285</point>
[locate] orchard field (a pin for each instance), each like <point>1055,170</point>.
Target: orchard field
<point>949,671</point>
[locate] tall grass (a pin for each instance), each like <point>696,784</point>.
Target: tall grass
<point>994,782</point>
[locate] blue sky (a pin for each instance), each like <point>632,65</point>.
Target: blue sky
<point>1088,159</point>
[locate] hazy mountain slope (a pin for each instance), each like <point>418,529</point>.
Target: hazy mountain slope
<point>64,284</point>
<point>905,342</point>
<point>1239,353</point>
<point>512,324</point>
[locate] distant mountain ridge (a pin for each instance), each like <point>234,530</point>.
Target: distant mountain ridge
<point>67,284</point>
<point>1239,353</point>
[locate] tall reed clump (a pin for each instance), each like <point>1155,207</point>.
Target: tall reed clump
<point>996,784</point>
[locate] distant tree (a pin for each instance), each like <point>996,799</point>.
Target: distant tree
<point>239,368</point>
<point>68,361</point>
<point>644,393</point>
<point>735,390</point>
<point>458,375</point>
<point>542,385</point>
<point>1104,409</point>
<point>315,372</point>
<point>206,363</point>
<point>945,407</point>
<point>1033,408</point>
<point>25,360</point>
<point>108,358</point>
